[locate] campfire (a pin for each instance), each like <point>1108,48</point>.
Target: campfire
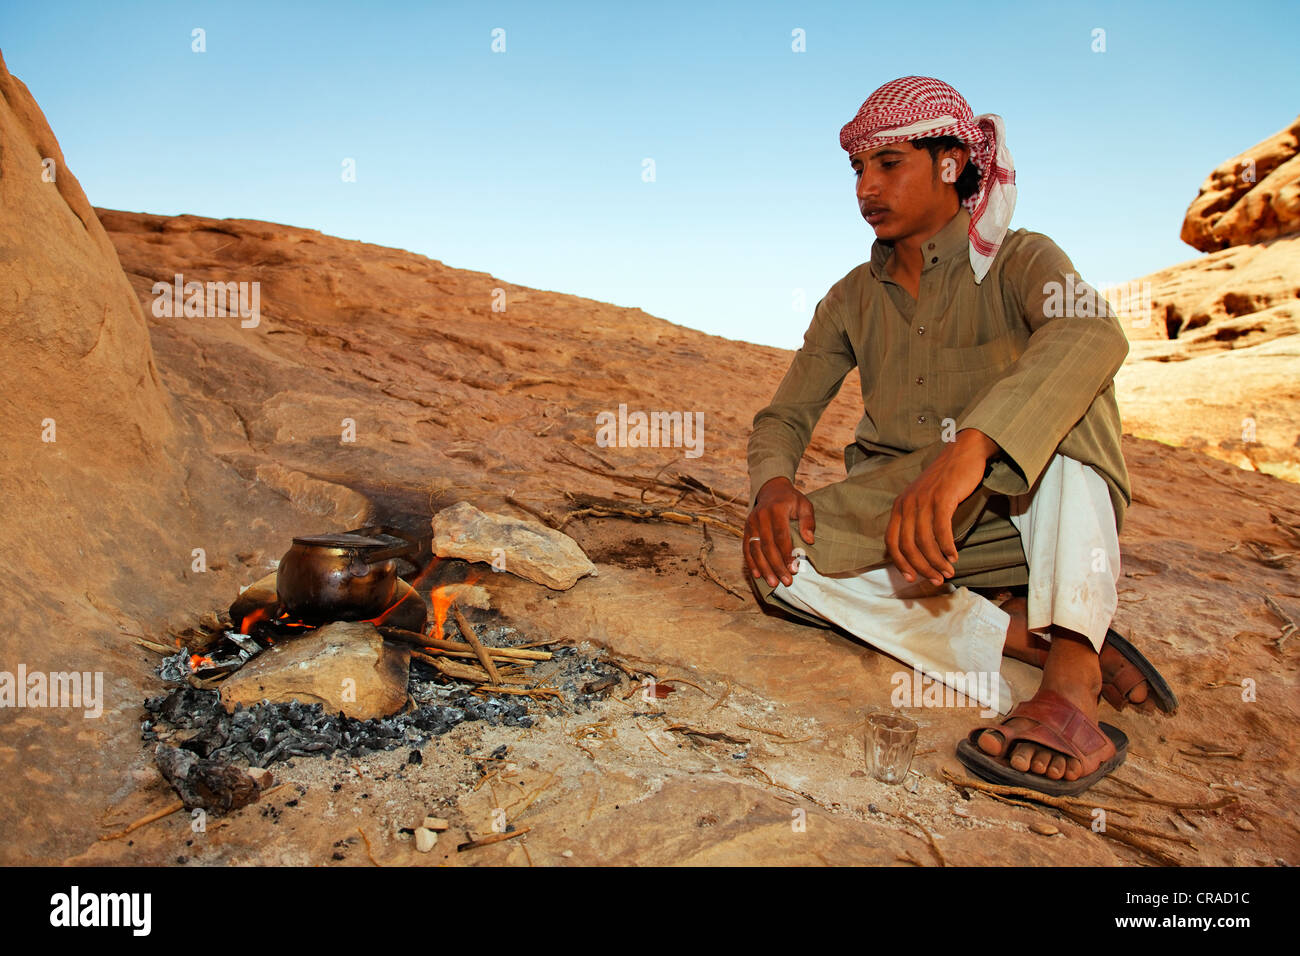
<point>335,652</point>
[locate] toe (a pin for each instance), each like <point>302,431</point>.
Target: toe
<point>1022,755</point>
<point>1056,769</point>
<point>1039,761</point>
<point>1073,768</point>
<point>990,742</point>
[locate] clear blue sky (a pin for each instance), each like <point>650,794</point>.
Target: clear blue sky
<point>528,164</point>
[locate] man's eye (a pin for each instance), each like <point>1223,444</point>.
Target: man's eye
<point>889,165</point>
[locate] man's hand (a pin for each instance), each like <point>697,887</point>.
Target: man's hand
<point>919,537</point>
<point>768,551</point>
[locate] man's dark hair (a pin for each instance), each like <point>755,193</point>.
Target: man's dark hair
<point>968,183</point>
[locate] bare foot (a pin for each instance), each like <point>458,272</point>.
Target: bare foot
<point>1024,645</point>
<point>1072,670</point>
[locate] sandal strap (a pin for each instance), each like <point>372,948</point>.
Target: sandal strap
<point>1059,726</point>
<point>1126,678</point>
<point>1116,688</point>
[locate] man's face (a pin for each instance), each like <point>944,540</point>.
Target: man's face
<point>902,192</point>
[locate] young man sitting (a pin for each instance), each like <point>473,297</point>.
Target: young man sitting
<point>988,456</point>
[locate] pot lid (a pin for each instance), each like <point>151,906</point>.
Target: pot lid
<point>340,541</point>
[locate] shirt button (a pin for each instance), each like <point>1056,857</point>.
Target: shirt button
<point>934,258</point>
<point>930,246</point>
<point>920,380</point>
<point>920,330</point>
<point>920,419</point>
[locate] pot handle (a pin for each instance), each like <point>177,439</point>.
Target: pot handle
<point>410,549</point>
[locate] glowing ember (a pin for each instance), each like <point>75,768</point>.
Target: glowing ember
<point>198,660</point>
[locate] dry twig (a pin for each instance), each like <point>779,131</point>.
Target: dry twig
<point>1289,528</point>
<point>708,734</point>
<point>1288,625</point>
<point>544,517</point>
<point>683,680</point>
<point>1080,811</point>
<point>157,815</point>
<point>162,649</point>
<point>593,506</point>
<point>369,852</point>
<point>928,835</point>
<point>494,838</point>
<point>649,738</point>
<point>705,550</point>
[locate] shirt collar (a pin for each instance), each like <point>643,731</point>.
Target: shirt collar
<point>950,241</point>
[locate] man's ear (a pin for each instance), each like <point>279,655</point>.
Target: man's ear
<point>951,163</point>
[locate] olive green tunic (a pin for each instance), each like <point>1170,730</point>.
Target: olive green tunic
<point>1028,356</point>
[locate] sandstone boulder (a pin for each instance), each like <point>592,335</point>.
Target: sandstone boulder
<point>346,666</point>
<point>1251,197</point>
<point>524,548</point>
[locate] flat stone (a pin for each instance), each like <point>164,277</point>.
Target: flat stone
<point>346,666</point>
<point>425,839</point>
<point>524,548</point>
<point>436,823</point>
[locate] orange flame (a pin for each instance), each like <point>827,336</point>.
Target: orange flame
<point>415,584</point>
<point>260,614</point>
<point>198,660</point>
<point>443,598</point>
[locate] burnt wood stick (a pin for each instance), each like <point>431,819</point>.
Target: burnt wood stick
<point>420,640</point>
<point>452,669</point>
<point>468,633</point>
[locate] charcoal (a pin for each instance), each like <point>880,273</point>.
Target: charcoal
<point>177,667</point>
<point>207,743</point>
<point>266,733</point>
<point>512,713</point>
<point>248,648</point>
<point>262,734</point>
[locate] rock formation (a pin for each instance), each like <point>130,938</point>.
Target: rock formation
<point>1253,197</point>
<point>1213,363</point>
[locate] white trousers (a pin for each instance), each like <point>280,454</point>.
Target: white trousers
<point>951,634</point>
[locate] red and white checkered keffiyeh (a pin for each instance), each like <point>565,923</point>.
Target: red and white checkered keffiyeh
<point>914,107</point>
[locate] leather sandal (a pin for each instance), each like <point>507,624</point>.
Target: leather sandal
<point>1136,669</point>
<point>1058,725</point>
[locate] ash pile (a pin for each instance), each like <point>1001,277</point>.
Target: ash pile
<point>211,736</point>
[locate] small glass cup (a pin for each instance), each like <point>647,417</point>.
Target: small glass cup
<point>891,740</point>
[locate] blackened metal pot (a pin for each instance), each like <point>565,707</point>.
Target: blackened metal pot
<point>341,577</point>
